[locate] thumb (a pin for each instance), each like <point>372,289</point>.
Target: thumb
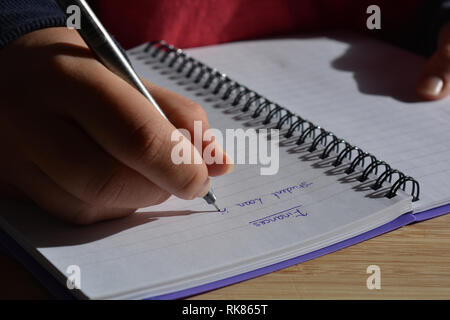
<point>434,82</point>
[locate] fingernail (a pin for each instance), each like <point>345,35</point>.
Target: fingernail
<point>204,189</point>
<point>432,86</point>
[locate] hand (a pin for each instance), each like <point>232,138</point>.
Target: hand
<point>434,82</point>
<point>81,142</point>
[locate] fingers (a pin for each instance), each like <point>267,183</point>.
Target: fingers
<point>79,166</point>
<point>129,128</point>
<point>49,196</point>
<point>184,113</point>
<point>434,82</point>
<point>113,150</point>
<point>27,179</point>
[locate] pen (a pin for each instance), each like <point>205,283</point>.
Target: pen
<point>108,52</point>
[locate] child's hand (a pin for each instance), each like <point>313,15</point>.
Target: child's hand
<point>434,82</point>
<point>82,143</point>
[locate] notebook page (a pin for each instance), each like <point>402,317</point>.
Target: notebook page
<point>182,244</point>
<point>359,88</point>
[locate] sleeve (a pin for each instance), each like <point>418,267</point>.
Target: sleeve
<point>18,17</point>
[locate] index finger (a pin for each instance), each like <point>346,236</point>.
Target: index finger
<point>131,129</point>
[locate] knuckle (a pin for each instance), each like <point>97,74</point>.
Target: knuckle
<point>190,184</point>
<point>84,215</point>
<point>147,143</point>
<point>162,197</point>
<point>105,189</point>
<point>197,110</point>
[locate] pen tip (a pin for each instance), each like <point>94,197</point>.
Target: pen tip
<point>217,207</point>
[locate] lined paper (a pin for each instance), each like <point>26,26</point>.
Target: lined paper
<point>180,244</point>
<point>361,89</point>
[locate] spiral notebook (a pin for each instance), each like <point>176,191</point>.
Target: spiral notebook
<point>358,158</point>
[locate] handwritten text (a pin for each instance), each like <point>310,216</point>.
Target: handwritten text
<point>285,214</point>
<point>290,189</point>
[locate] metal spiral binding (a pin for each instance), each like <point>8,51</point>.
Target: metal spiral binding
<point>224,87</point>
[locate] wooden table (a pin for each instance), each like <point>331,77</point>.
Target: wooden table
<point>414,262</point>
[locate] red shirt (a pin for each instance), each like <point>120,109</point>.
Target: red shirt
<point>189,23</point>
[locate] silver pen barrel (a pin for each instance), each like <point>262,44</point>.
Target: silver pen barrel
<point>111,56</point>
